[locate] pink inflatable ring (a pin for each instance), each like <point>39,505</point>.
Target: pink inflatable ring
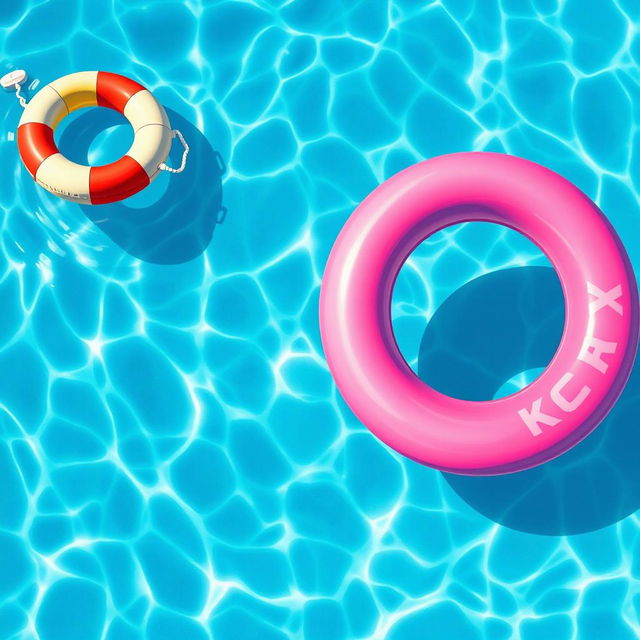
<point>584,378</point>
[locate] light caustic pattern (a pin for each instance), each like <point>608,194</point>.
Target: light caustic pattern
<point>175,461</point>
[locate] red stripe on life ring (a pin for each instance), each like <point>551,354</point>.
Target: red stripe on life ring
<point>116,181</point>
<point>114,90</point>
<point>35,144</point>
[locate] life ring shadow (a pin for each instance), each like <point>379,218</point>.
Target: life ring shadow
<point>518,316</point>
<point>177,224</point>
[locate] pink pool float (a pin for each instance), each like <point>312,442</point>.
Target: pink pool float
<point>582,381</point>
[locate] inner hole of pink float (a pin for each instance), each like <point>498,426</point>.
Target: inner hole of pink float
<point>477,311</point>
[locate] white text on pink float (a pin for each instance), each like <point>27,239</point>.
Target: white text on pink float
<point>592,352</point>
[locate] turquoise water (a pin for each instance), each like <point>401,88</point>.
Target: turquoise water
<point>175,461</point>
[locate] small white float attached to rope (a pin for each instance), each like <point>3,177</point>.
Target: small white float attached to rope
<point>99,184</point>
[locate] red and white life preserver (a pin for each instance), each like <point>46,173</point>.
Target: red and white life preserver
<point>100,184</point>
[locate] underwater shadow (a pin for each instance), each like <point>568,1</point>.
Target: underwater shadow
<point>171,221</point>
<point>518,316</point>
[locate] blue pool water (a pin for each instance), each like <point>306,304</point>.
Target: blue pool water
<point>175,460</point>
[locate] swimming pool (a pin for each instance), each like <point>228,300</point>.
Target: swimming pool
<point>175,461</point>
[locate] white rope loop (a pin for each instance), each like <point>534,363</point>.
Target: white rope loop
<point>163,167</point>
<point>21,98</point>
<point>13,81</point>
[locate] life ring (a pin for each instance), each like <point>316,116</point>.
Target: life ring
<point>99,184</point>
<point>584,378</point>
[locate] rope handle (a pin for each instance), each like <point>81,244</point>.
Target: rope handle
<point>163,167</point>
<point>21,98</point>
<point>14,80</point>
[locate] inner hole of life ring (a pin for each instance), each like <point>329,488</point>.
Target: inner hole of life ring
<point>477,311</point>
<point>96,136</point>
